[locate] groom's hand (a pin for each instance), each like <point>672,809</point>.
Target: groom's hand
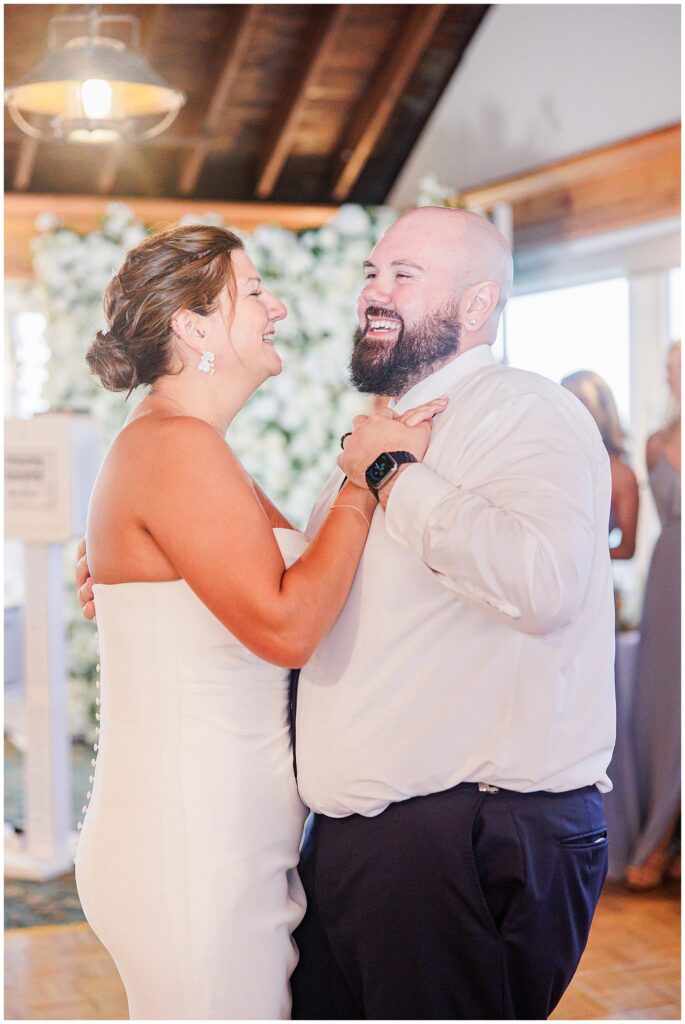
<point>84,583</point>
<point>383,431</point>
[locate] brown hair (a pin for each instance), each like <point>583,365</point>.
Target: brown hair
<point>180,268</point>
<point>595,394</point>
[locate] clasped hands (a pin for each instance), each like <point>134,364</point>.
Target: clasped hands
<point>385,431</point>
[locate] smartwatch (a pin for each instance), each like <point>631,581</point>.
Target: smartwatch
<point>385,467</point>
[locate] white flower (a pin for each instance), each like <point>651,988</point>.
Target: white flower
<point>355,251</point>
<point>270,246</point>
<point>383,217</point>
<point>131,235</point>
<point>351,220</point>
<point>117,217</point>
<point>47,221</point>
<point>328,238</point>
<point>432,192</point>
<point>212,219</point>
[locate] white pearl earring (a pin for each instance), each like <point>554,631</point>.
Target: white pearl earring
<point>206,364</point>
<point>472,322</point>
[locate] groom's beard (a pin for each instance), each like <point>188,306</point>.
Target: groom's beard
<point>418,351</point>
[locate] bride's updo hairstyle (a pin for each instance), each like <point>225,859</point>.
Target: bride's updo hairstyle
<point>180,268</point>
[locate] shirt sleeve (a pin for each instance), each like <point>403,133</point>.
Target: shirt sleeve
<point>517,540</point>
<point>323,502</point>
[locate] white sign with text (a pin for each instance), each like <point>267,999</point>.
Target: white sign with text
<point>50,467</point>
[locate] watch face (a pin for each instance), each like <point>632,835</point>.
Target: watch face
<point>379,469</point>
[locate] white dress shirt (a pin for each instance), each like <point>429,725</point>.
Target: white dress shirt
<point>477,643</point>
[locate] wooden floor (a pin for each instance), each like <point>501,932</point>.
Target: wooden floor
<point>631,968</point>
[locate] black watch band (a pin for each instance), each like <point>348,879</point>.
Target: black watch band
<point>401,457</point>
<point>384,467</point>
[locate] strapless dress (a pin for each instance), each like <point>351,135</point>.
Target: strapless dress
<point>186,865</point>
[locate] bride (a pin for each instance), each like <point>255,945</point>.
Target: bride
<point>206,595</point>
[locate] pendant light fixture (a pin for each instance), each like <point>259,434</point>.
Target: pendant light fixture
<point>93,88</point>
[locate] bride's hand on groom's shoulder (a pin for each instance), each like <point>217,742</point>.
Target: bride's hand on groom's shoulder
<point>384,431</point>
<point>84,583</point>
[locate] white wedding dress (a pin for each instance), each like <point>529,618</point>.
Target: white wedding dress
<point>187,860</point>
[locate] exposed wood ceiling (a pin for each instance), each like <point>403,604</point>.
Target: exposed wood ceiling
<point>623,185</point>
<point>296,103</point>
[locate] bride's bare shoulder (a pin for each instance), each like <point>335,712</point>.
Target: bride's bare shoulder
<point>155,435</point>
<point>160,452</point>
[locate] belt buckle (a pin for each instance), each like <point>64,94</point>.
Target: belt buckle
<point>483,787</point>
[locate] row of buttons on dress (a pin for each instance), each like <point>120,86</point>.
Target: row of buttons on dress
<point>96,746</point>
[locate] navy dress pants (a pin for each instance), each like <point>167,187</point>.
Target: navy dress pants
<point>453,906</point>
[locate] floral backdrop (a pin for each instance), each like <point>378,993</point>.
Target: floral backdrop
<point>287,435</point>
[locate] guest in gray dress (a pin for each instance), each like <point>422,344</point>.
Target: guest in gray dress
<point>595,394</point>
<point>621,804</point>
<point>656,721</point>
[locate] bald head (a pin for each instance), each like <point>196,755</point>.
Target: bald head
<point>475,248</point>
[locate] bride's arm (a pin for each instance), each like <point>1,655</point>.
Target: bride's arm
<point>232,562</point>
<point>275,516</point>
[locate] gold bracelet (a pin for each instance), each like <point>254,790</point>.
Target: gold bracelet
<point>354,509</point>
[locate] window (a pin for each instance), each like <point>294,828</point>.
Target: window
<point>586,327</point>
<point>26,354</point>
<point>30,354</point>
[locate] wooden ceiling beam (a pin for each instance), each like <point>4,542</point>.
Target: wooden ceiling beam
<point>83,212</point>
<point>316,53</point>
<point>151,18</point>
<point>26,161</point>
<point>594,163</point>
<point>233,59</point>
<point>609,189</point>
<point>376,107</point>
<point>109,168</point>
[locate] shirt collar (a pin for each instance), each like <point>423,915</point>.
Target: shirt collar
<point>444,379</point>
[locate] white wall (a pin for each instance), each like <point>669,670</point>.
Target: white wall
<point>543,82</point>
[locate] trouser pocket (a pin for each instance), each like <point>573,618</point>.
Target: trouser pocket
<point>498,861</point>
<point>593,840</point>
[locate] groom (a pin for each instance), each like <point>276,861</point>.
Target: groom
<point>454,728</point>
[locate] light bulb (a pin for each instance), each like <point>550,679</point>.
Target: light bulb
<point>96,97</point>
